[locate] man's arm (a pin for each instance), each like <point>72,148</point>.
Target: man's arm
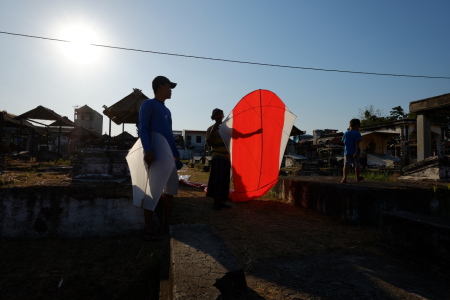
<point>175,152</point>
<point>145,133</point>
<point>237,134</point>
<point>172,144</point>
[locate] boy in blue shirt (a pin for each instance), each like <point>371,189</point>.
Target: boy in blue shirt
<point>351,140</point>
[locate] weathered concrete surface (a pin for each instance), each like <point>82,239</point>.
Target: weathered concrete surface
<point>290,253</point>
<point>414,218</point>
<point>68,211</point>
<point>427,169</point>
<point>110,162</point>
<point>418,235</point>
<point>362,202</point>
<point>202,267</point>
<point>343,277</point>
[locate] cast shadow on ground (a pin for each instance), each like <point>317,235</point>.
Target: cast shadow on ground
<point>348,277</point>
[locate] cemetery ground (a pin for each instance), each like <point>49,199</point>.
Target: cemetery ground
<point>286,252</point>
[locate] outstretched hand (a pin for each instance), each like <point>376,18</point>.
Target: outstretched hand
<point>240,135</point>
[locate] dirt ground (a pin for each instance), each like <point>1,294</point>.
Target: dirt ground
<point>71,269</point>
<point>285,251</point>
<point>290,253</point>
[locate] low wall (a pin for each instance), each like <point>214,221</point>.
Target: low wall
<point>102,209</point>
<point>362,203</point>
<point>110,162</point>
<point>85,210</point>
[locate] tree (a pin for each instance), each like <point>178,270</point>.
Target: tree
<point>370,116</point>
<point>411,116</point>
<point>397,113</point>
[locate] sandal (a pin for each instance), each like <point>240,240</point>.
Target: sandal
<point>343,181</point>
<point>359,179</point>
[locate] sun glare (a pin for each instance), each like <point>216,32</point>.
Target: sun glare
<point>79,49</point>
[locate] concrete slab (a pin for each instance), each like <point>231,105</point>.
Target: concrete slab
<point>425,237</point>
<point>201,265</point>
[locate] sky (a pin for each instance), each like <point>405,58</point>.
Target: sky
<point>384,36</point>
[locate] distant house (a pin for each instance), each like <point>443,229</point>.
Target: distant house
<point>15,132</point>
<point>323,144</point>
<point>126,137</point>
<point>318,134</point>
<point>89,118</point>
<point>83,138</point>
<point>49,138</point>
<point>194,139</point>
<point>378,138</point>
<point>303,137</point>
<point>178,137</point>
<point>395,141</point>
<point>333,138</point>
<point>125,140</point>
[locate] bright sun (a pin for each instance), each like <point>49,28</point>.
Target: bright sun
<point>78,49</point>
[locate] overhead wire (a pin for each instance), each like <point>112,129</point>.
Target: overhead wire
<point>231,61</point>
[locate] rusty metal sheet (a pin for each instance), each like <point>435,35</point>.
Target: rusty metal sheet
<point>83,133</point>
<point>126,110</point>
<point>40,113</point>
<point>64,121</point>
<point>10,121</point>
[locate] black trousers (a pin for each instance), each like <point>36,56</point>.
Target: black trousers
<point>219,178</point>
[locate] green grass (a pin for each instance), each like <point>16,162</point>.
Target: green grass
<point>270,195</point>
<point>59,162</point>
<point>377,175</point>
<point>197,175</point>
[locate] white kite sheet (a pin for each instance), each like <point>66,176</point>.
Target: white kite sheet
<point>148,184</point>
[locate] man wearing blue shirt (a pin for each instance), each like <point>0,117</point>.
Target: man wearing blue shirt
<point>154,116</point>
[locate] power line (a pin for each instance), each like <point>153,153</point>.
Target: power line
<point>229,60</point>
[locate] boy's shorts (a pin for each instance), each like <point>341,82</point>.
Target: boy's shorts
<point>351,160</point>
<point>171,187</point>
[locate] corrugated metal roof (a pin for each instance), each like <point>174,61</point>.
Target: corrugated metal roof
<point>125,136</point>
<point>295,131</point>
<point>83,133</point>
<point>386,132</point>
<point>297,156</point>
<point>10,121</point>
<point>64,121</point>
<point>40,113</point>
<point>126,110</point>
